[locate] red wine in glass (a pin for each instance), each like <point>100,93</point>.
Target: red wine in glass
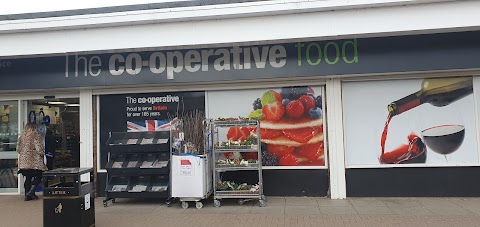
<point>413,152</point>
<point>444,139</point>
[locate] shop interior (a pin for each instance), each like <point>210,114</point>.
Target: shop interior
<point>64,123</point>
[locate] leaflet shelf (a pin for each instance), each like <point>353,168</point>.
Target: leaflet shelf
<point>139,165</point>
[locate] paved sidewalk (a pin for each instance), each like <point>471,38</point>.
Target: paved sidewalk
<point>280,211</point>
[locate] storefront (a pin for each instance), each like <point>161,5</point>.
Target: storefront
<point>345,115</point>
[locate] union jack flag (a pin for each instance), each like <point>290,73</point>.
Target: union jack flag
<point>149,125</point>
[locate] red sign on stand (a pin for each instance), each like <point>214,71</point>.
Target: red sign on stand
<point>186,167</point>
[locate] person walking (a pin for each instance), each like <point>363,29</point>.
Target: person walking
<point>31,159</point>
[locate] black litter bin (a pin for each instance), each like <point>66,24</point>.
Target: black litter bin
<point>67,200</point>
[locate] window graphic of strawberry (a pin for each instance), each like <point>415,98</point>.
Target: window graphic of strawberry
<point>291,126</point>
<point>313,152</point>
<point>302,135</point>
<point>270,133</point>
<point>291,160</point>
<point>279,150</point>
<point>238,133</point>
<point>273,111</point>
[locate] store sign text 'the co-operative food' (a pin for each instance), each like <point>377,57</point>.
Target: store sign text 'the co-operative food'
<point>170,63</point>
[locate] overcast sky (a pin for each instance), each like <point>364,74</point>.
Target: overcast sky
<point>31,6</point>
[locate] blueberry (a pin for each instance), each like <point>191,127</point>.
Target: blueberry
<point>285,92</point>
<point>257,104</point>
<point>315,113</point>
<point>293,93</point>
<point>285,102</point>
<point>269,159</point>
<point>318,101</point>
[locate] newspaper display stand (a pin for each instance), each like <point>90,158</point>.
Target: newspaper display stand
<point>138,165</point>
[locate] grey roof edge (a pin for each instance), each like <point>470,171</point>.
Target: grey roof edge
<point>125,8</point>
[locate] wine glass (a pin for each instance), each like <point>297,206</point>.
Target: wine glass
<point>444,139</point>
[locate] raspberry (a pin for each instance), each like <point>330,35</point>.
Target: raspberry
<point>295,109</point>
<point>307,101</point>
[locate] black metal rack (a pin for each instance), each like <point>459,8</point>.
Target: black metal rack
<point>138,165</point>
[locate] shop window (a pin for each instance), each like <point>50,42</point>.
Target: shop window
<point>291,120</point>
<point>8,143</point>
<point>404,122</point>
<point>144,112</point>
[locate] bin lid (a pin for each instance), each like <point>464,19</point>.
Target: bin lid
<point>68,171</point>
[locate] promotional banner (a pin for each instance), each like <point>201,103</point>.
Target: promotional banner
<point>144,112</point>
<point>424,121</point>
<point>291,123</point>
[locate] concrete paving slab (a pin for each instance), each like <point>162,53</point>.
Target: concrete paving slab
<point>325,202</point>
<point>302,210</point>
<point>434,202</point>
<point>300,201</point>
<point>449,210</point>
<point>470,202</point>
<point>410,210</point>
<point>367,202</point>
<point>344,210</point>
<point>234,209</point>
<point>268,210</point>
<point>400,202</point>
<point>275,201</point>
<point>373,210</point>
<point>395,212</point>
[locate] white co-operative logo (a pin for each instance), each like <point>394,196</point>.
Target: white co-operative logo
<point>174,62</point>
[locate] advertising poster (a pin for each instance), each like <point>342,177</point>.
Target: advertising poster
<point>420,121</point>
<point>144,112</point>
<point>291,123</point>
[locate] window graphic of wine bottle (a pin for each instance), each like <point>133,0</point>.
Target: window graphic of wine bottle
<point>443,139</point>
<point>438,92</point>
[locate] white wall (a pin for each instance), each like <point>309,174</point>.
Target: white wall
<point>252,23</point>
<point>34,6</point>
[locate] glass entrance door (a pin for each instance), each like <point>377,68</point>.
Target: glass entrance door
<point>62,132</point>
<point>8,144</point>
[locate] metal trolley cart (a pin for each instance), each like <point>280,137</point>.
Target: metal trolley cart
<point>138,165</point>
<point>192,173</point>
<point>191,178</point>
<point>220,166</point>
